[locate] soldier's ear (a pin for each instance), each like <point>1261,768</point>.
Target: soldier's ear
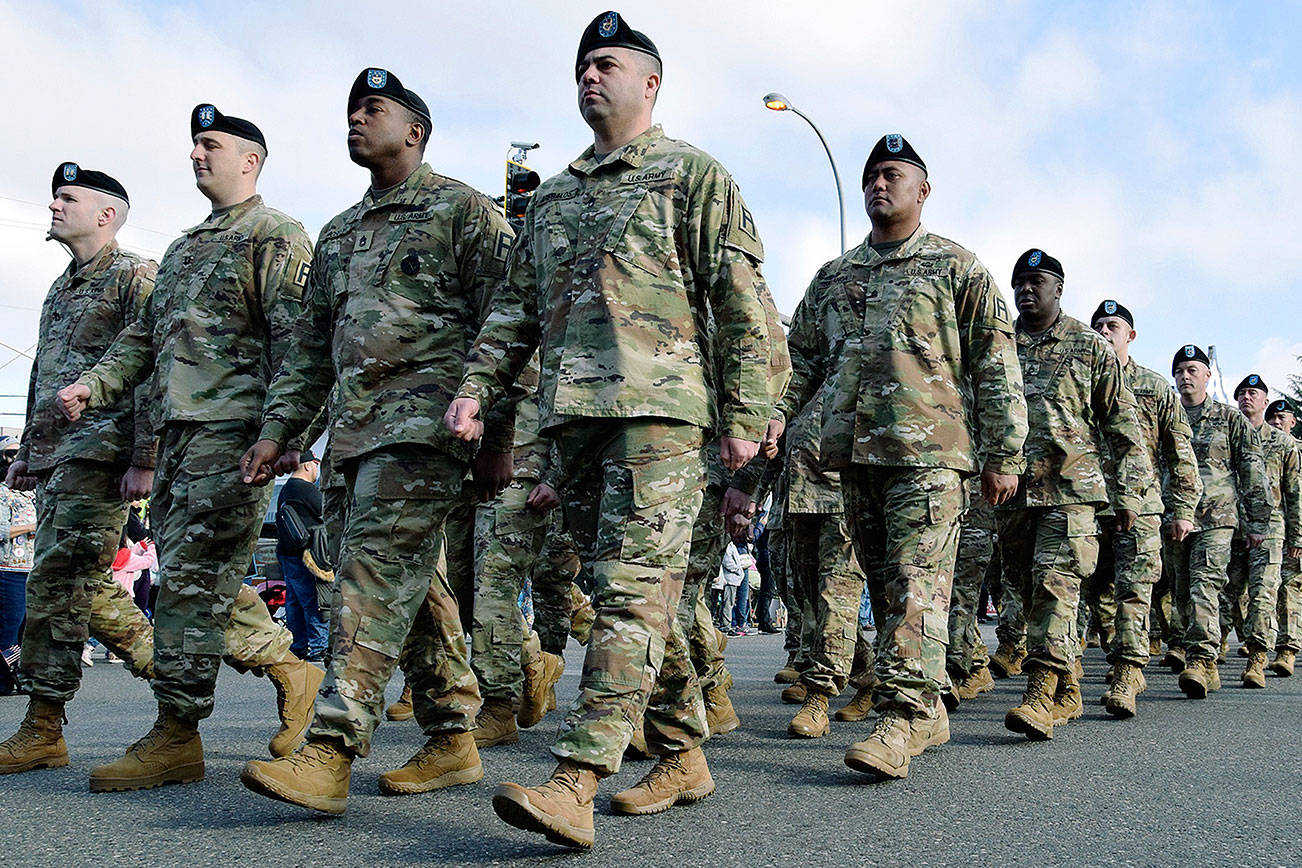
<point>924,190</point>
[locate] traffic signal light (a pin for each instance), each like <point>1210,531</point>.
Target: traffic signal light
<point>521,181</point>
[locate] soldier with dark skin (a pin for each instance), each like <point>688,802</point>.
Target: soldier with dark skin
<point>1289,607</point>
<point>637,267</point>
<point>226,297</point>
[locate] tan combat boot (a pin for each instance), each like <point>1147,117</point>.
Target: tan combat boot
<point>1127,684</point>
<point>788,674</point>
<point>1034,717</point>
<point>38,743</point>
<point>560,808</point>
<point>857,708</point>
<point>1244,651</point>
<point>719,714</point>
<point>1284,662</point>
<point>1225,646</point>
<point>541,672</point>
<point>975,684</point>
<point>1254,674</point>
<point>1067,704</point>
<point>1007,661</point>
<point>1195,678</point>
<point>885,753</point>
<point>448,759</point>
<point>1154,647</point>
<point>296,685</point>
<point>315,776</point>
<point>811,720</point>
<point>1175,659</point>
<point>925,732</point>
<point>581,615</point>
<point>1213,676</point>
<point>794,694</point>
<point>496,724</point>
<point>401,710</point>
<point>170,753</point>
<point>674,779</point>
<point>721,638</point>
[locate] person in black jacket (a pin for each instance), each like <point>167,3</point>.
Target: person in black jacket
<point>301,496</point>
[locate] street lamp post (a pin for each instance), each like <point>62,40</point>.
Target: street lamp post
<point>779,103</point>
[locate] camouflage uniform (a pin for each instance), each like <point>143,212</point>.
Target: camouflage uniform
<point>1233,472</point>
<point>1289,604</point>
<point>218,322</point>
<point>976,550</point>
<point>398,290</point>
<point>1079,406</point>
<point>555,590</point>
<point>914,349</point>
<point>621,263</point>
<point>1252,589</point>
<point>1136,555</point>
<point>80,513</point>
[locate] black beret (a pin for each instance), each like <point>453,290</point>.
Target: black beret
<point>891,146</point>
<point>607,30</point>
<point>1113,308</point>
<point>381,82</point>
<point>71,175</point>
<point>1190,353</point>
<point>206,118</point>
<point>1274,408</point>
<point>1037,260</point>
<point>1252,381</point>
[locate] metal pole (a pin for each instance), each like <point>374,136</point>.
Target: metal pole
<point>836,176</point>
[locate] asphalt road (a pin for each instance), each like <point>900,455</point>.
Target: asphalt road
<point>1211,782</point>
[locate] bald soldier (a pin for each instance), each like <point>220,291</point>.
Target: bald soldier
<point>1288,642</point>
<point>1252,589</point>
<point>400,286</point>
<point>908,339</point>
<point>1133,557</point>
<point>637,274</point>
<point>1233,473</point>
<point>215,326</point>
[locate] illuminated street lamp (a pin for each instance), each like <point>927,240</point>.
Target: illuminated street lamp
<point>779,103</point>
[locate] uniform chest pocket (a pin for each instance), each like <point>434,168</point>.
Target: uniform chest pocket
<point>98,322</point>
<point>642,233</point>
<point>218,280</point>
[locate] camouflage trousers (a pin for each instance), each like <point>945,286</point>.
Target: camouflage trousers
<point>1047,552</point>
<point>1098,597</point>
<point>1250,598</point>
<point>821,560</point>
<point>1199,565</point>
<point>780,563</point>
<point>632,492</point>
<point>1289,607</point>
<point>555,594</point>
<point>905,523</point>
<point>395,601</point>
<point>976,557</point>
<point>205,521</point>
<point>1011,627</point>
<point>704,559</point>
<point>509,540</point>
<point>1136,557</point>
<point>1165,619</point>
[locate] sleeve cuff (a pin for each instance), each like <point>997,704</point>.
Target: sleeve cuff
<point>275,430</point>
<point>1009,465</point>
<point>144,457</point>
<point>749,424</point>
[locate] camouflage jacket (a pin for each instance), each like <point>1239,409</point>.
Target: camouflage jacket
<point>915,352</point>
<point>1079,407</point>
<point>811,487</point>
<point>531,452</point>
<point>1232,468</point>
<point>83,312</point>
<point>638,277</point>
<point>218,321</point>
<point>1175,488</point>
<point>399,286</point>
<point>1283,475</point>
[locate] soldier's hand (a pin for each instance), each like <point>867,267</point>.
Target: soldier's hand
<point>258,464</point>
<point>736,502</point>
<point>1126,519</point>
<point>738,527</point>
<point>769,445</point>
<point>72,400</point>
<point>736,452</point>
<point>461,419</point>
<point>1181,528</point>
<point>543,498</point>
<point>136,483</point>
<point>998,488</point>
<point>1255,540</point>
<point>492,473</point>
<point>18,479</point>
<point>287,463</point>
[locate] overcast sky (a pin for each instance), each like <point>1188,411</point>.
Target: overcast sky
<point>1153,148</point>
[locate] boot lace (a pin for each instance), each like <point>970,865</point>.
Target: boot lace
<point>665,766</point>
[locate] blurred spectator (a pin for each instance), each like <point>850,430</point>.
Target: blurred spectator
<point>298,512</point>
<point>17,538</point>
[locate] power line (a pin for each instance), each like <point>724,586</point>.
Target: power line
<point>44,207</point>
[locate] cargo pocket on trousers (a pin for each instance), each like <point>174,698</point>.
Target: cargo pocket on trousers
<point>378,636</point>
<point>1082,542</point>
<point>654,534</point>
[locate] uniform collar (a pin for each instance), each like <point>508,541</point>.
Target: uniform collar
<point>1053,332</point>
<point>226,218</point>
<point>75,274</point>
<point>406,193</point>
<point>865,255</point>
<point>631,154</point>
